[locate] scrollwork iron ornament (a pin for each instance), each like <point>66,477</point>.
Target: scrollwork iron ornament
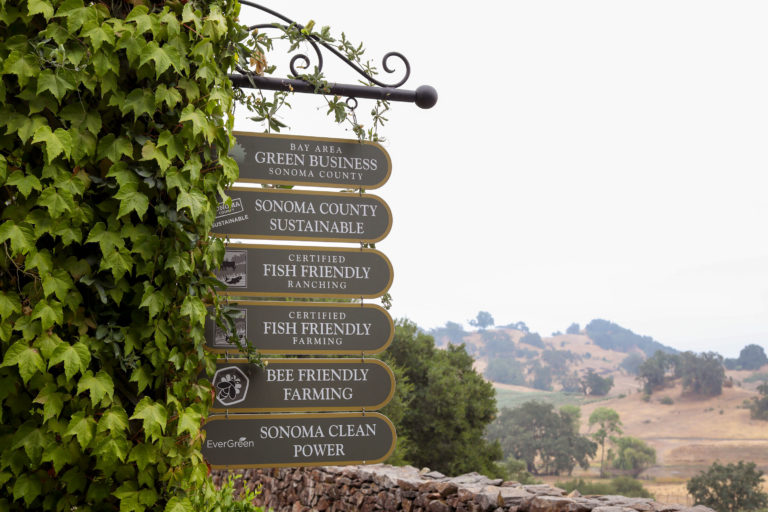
<point>424,96</point>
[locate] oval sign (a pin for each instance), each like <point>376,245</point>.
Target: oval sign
<point>292,385</point>
<point>304,328</point>
<point>300,271</point>
<point>316,161</point>
<point>290,215</point>
<point>243,441</point>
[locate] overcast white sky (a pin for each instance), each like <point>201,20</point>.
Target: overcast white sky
<point>586,159</point>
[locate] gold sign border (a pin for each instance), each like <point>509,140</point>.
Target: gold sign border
<point>305,416</point>
<point>324,352</point>
<point>311,295</point>
<point>317,361</point>
<point>317,183</point>
<point>345,195</point>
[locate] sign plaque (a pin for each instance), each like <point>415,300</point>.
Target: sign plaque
<point>293,385</point>
<point>274,440</point>
<point>302,215</point>
<point>300,271</point>
<point>304,328</point>
<point>315,161</point>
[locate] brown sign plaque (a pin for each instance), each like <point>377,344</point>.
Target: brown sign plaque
<point>305,328</point>
<point>320,162</point>
<point>274,214</point>
<point>243,441</point>
<point>300,271</point>
<point>295,385</point>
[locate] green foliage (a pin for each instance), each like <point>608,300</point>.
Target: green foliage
<point>447,407</point>
<point>609,423</point>
<point>731,488</point>
<point>633,454</point>
<point>224,499</point>
<point>452,332</point>
<point>621,486</point>
<point>515,470</point>
<point>610,336</point>
<point>533,339</point>
<point>497,343</point>
<point>114,126</point>
<point>751,357</point>
<point>758,408</point>
<point>666,400</point>
<point>559,359</point>
<point>703,374</point>
<point>574,328</point>
<point>506,371</point>
<point>542,377</point>
<point>654,371</point>
<point>546,440</point>
<point>757,377</point>
<point>482,320</point>
<point>632,363</point>
<point>594,385</point>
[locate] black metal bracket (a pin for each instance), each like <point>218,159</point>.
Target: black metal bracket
<point>424,96</point>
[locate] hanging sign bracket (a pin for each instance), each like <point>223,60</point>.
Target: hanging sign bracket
<point>424,96</point>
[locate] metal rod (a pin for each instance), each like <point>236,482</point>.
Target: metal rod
<point>424,96</point>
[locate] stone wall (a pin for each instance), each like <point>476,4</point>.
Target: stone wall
<point>383,487</point>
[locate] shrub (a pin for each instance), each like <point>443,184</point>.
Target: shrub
<point>731,488</point>
<point>666,401</point>
<point>622,485</point>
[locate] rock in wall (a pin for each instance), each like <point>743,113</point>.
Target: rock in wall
<point>383,487</point>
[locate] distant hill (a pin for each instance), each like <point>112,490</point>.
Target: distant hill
<point>611,336</point>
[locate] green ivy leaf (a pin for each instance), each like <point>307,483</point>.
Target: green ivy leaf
<point>53,402</point>
<point>28,486</point>
<point>153,300</point>
<point>118,262</point>
<point>57,201</point>
<point>115,420</point>
<point>129,497</point>
<point>151,152</point>
<point>177,504</point>
<point>111,450</point>
<point>112,148</point>
<point>143,455</point>
<point>108,240</point>
<point>200,123</point>
<point>100,34</point>
<point>75,358</point>
<point>194,200</point>
<point>189,421</point>
<point>153,52</point>
<point>57,282</point>
<point>194,308</point>
<point>22,238</point>
<point>154,417</point>
<point>10,304</point>
<point>25,182</point>
<point>26,358</point>
<point>82,427</point>
<point>32,439</point>
<point>76,14</point>
<point>131,200</point>
<point>24,66</point>
<point>98,386</point>
<point>139,101</point>
<point>40,7</point>
<point>61,455</point>
<point>50,313</point>
<point>168,95</point>
<point>56,142</point>
<point>47,342</point>
<point>142,376</point>
<point>54,83</point>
